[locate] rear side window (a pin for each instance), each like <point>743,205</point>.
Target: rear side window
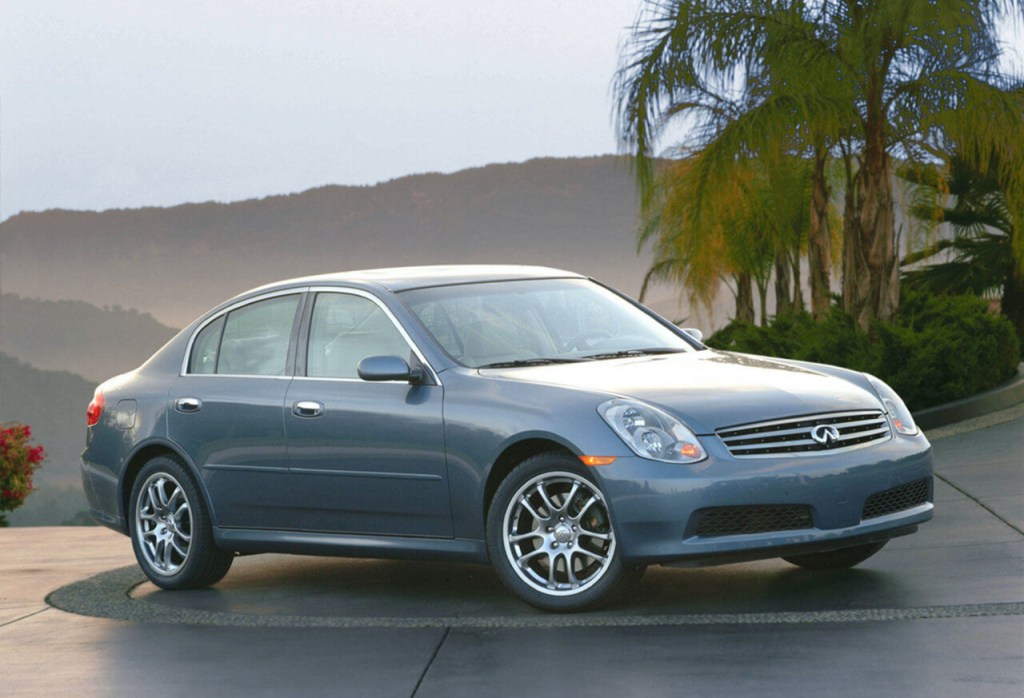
<point>204,349</point>
<point>250,341</point>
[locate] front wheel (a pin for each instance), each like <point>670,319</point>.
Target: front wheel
<point>170,528</point>
<point>836,559</point>
<point>550,537</point>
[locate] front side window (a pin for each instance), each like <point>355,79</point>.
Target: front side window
<point>250,341</point>
<point>344,330</point>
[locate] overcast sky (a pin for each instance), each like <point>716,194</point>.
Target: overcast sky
<point>119,104</point>
<point>123,103</point>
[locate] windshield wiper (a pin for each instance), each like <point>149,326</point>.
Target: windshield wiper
<point>534,362</point>
<point>650,351</point>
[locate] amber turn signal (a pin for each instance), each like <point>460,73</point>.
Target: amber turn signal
<point>597,460</point>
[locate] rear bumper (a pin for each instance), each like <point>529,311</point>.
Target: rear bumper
<point>101,491</point>
<point>656,506</point>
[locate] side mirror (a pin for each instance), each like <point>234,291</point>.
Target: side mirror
<point>388,368</point>
<point>694,333</point>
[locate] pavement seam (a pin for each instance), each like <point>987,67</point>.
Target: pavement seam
<point>978,502</point>
<point>106,596</point>
<point>430,663</point>
<point>21,618</point>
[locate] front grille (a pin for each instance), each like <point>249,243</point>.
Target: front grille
<point>900,498</point>
<point>795,435</point>
<point>731,521</point>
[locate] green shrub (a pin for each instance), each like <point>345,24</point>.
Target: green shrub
<point>942,348</point>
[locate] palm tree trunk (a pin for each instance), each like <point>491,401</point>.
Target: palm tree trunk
<point>762,293</point>
<point>798,291</point>
<point>819,242</point>
<point>1013,302</point>
<point>783,285</point>
<point>744,299</point>
<point>871,283</point>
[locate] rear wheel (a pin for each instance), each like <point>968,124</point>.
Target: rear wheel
<point>171,530</point>
<point>836,559</point>
<point>550,537</point>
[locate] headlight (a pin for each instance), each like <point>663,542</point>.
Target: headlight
<point>898,413</point>
<point>650,433</point>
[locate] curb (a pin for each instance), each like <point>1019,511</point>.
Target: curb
<point>1006,394</point>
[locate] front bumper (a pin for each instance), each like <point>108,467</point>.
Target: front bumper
<point>655,506</point>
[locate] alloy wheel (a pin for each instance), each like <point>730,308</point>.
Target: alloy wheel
<point>557,534</point>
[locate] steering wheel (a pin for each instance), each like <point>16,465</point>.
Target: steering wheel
<point>586,336</point>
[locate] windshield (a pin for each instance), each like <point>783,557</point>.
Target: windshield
<point>535,321</point>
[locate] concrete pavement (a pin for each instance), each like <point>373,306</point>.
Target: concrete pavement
<point>937,613</point>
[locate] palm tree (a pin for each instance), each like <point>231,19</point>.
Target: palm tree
<point>981,253</point>
<point>756,223</point>
<point>867,80</point>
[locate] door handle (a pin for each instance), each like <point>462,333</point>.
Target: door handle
<point>307,408</point>
<point>188,404</point>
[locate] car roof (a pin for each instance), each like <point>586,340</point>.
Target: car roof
<point>405,278</point>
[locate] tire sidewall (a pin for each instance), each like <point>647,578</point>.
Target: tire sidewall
<point>602,591</point>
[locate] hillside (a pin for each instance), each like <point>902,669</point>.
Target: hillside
<point>74,336</point>
<point>53,403</point>
<point>176,262</point>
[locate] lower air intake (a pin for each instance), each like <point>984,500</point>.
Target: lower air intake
<point>900,498</point>
<point>731,521</point>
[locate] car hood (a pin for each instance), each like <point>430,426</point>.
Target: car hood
<point>708,389</point>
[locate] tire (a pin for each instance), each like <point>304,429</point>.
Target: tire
<point>170,528</point>
<point>836,559</point>
<point>549,511</point>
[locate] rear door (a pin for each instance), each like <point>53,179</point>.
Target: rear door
<point>227,409</point>
<point>365,457</point>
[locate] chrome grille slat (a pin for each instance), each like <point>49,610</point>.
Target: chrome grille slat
<point>792,436</point>
<point>864,422</point>
<point>783,432</point>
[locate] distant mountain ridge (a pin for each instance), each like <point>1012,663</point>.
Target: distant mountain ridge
<point>74,336</point>
<point>175,262</point>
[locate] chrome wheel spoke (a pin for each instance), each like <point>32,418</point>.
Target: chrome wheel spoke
<point>160,488</point>
<point>569,497</point>
<point>547,500</point>
<point>177,546</point>
<point>152,498</point>
<point>531,511</point>
<point>589,503</point>
<point>595,534</point>
<point>529,556</point>
<point>569,571</point>
<point>600,558</point>
<point>520,537</point>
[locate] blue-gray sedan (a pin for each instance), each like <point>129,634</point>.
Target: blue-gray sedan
<point>525,416</point>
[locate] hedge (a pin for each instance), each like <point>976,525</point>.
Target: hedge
<point>942,348</point>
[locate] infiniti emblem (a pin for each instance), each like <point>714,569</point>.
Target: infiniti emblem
<point>825,434</point>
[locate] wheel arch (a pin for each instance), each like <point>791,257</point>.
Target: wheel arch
<point>515,451</point>
<point>141,455</point>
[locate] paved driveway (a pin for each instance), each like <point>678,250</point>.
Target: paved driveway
<point>938,613</point>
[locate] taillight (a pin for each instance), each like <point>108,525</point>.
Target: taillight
<point>95,411</point>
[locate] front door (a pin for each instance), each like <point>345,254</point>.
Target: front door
<point>365,457</point>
